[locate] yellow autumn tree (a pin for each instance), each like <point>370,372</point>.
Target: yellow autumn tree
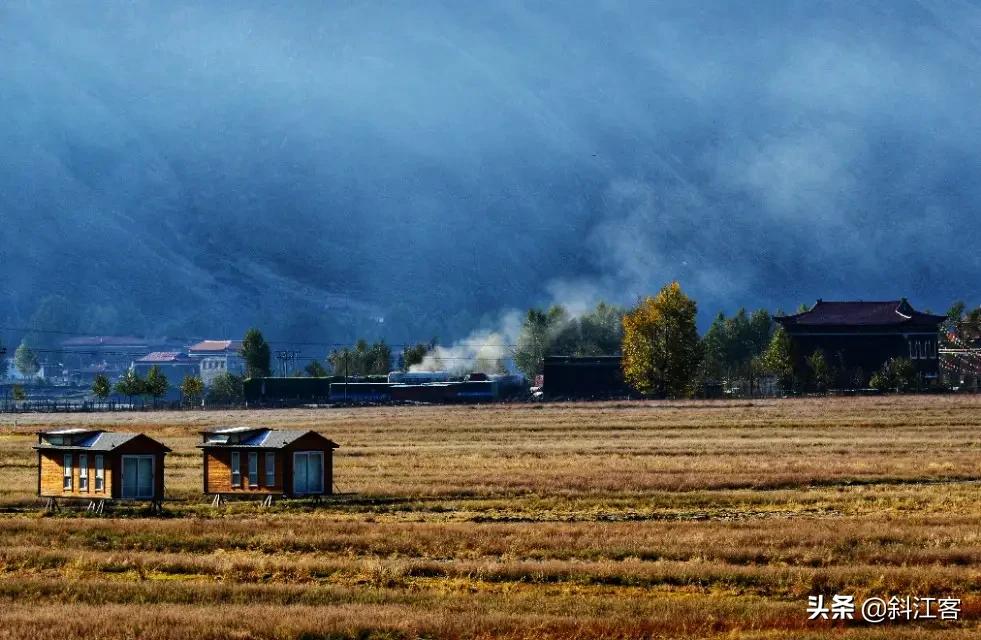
<point>661,350</point>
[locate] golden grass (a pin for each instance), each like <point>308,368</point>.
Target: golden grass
<point>621,520</point>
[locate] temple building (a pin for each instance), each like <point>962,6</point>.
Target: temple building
<point>858,337</point>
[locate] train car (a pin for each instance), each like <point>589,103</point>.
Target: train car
<point>418,377</point>
<point>431,392</point>
<point>286,391</point>
<point>360,392</point>
<point>510,386</point>
<point>474,391</point>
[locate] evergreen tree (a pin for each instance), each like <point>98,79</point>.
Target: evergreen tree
<point>156,384</point>
<point>255,351</point>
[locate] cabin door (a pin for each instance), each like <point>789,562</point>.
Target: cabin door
<point>137,477</point>
<point>308,472</point>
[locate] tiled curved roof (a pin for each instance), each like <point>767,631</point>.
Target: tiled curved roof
<point>860,312</point>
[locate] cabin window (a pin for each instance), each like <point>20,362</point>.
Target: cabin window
<point>236,469</point>
<point>67,482</point>
<point>270,469</point>
<point>83,472</point>
<point>100,474</point>
<point>253,469</point>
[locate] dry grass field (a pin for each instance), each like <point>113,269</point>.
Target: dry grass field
<point>612,520</point>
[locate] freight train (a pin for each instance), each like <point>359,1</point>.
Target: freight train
<point>378,390</point>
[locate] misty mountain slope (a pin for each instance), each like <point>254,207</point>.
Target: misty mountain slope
<point>313,169</point>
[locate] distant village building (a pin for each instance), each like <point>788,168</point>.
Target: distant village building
<point>215,357</point>
<point>99,465</point>
<point>173,364</point>
<point>80,351</point>
<point>267,462</point>
<point>84,357</point>
<point>858,337</point>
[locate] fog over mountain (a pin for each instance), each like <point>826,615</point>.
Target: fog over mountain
<point>192,169</point>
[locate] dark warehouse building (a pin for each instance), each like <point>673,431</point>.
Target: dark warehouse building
<point>583,377</point>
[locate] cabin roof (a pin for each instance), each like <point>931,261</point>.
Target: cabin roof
<point>92,440</point>
<point>259,438</point>
<point>860,313</point>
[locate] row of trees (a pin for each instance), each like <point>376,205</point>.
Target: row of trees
<point>226,388</point>
<point>363,360</point>
<point>658,340</point>
<point>663,355</point>
<point>555,330</point>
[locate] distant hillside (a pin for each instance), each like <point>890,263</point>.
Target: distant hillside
<point>197,169</point>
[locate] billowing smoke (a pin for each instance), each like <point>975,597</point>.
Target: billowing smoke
<point>484,350</point>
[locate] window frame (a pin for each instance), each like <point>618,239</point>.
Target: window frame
<point>235,463</point>
<point>270,468</point>
<point>83,472</point>
<point>100,472</point>
<point>253,460</point>
<point>67,481</point>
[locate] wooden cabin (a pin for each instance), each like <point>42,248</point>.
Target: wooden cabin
<point>267,462</point>
<point>99,465</point>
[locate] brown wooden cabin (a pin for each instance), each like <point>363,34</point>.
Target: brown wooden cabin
<point>267,462</point>
<point>99,465</point>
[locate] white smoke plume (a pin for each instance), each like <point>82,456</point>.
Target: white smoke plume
<point>484,350</point>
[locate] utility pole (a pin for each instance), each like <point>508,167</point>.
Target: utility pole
<point>285,358</point>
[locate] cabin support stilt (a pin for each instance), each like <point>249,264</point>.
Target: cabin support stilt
<point>96,506</point>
